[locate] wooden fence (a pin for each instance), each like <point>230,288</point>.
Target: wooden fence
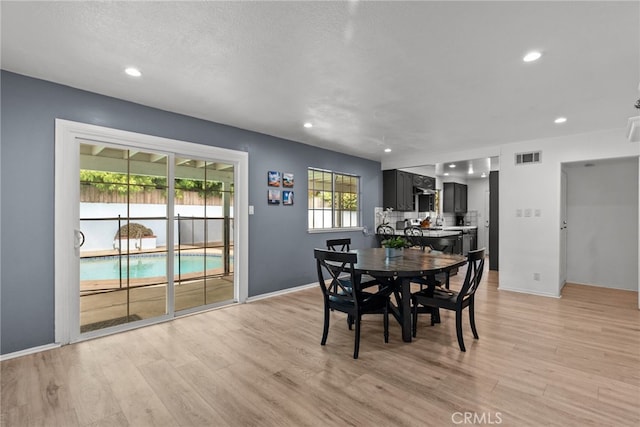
<point>90,194</point>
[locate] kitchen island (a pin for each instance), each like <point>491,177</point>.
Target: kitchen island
<point>449,241</point>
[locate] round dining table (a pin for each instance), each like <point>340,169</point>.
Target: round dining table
<point>400,270</point>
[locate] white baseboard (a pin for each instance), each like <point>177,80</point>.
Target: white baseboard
<point>28,351</point>
<point>601,286</point>
<point>283,292</point>
<point>522,291</point>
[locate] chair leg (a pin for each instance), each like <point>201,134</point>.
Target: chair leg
<point>350,321</point>
<point>414,317</point>
<point>435,315</point>
<point>459,329</point>
<point>386,323</point>
<point>325,332</point>
<point>472,320</point>
<point>357,344</point>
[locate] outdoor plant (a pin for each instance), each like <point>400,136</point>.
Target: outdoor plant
<point>396,243</point>
<point>133,231</point>
<point>122,183</point>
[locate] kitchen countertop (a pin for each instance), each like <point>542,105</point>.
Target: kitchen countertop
<point>433,233</point>
<point>462,227</point>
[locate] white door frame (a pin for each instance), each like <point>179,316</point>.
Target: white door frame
<point>67,216</point>
<point>563,230</point>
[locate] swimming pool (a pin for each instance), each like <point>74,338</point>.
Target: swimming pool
<point>144,266</point>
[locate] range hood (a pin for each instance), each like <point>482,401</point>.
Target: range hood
<point>422,190</point>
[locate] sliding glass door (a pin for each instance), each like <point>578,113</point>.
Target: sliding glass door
<point>203,223</point>
<point>134,256</point>
<point>124,222</point>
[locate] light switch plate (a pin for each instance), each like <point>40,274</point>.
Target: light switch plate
<point>250,209</point>
<point>518,213</point>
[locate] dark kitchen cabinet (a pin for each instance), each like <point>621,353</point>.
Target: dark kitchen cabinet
<point>455,198</point>
<point>426,203</point>
<point>397,190</point>
<point>423,186</point>
<point>423,182</point>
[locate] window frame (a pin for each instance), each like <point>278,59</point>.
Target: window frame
<point>334,210</point>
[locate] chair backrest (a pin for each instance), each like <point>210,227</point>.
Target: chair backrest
<point>443,245</point>
<point>385,232</point>
<point>475,267</point>
<point>335,264</point>
<point>342,245</point>
<point>413,235</point>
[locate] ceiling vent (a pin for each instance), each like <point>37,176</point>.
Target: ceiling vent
<point>527,158</point>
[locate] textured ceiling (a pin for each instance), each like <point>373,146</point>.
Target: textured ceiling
<point>418,77</point>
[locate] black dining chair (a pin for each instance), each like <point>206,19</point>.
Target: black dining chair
<point>445,246</point>
<point>413,234</point>
<point>343,245</point>
<point>385,232</point>
<point>348,297</point>
<point>442,246</point>
<point>452,300</point>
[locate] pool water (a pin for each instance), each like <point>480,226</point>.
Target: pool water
<point>144,266</point>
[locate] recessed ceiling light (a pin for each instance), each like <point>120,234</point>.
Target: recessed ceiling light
<point>470,172</point>
<point>308,125</point>
<point>484,175</point>
<point>133,72</point>
<point>560,120</point>
<point>532,56</point>
<point>446,174</point>
<point>452,165</point>
<point>387,150</point>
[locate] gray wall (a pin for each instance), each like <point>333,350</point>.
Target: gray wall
<point>602,216</point>
<point>280,248</point>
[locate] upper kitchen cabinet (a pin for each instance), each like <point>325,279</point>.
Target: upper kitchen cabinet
<point>397,190</point>
<point>425,186</point>
<point>424,183</point>
<point>455,198</point>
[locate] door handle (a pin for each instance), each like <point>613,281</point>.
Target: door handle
<point>79,239</point>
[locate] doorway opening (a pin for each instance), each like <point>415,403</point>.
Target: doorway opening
<point>601,225</point>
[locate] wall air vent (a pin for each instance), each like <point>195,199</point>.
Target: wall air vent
<point>528,158</point>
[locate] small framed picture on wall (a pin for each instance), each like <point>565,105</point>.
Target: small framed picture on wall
<point>273,197</point>
<point>287,180</point>
<point>287,197</point>
<point>273,179</point>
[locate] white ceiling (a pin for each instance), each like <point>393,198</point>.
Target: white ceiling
<point>418,77</point>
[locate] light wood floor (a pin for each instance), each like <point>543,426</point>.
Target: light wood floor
<point>151,301</point>
<point>573,361</point>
